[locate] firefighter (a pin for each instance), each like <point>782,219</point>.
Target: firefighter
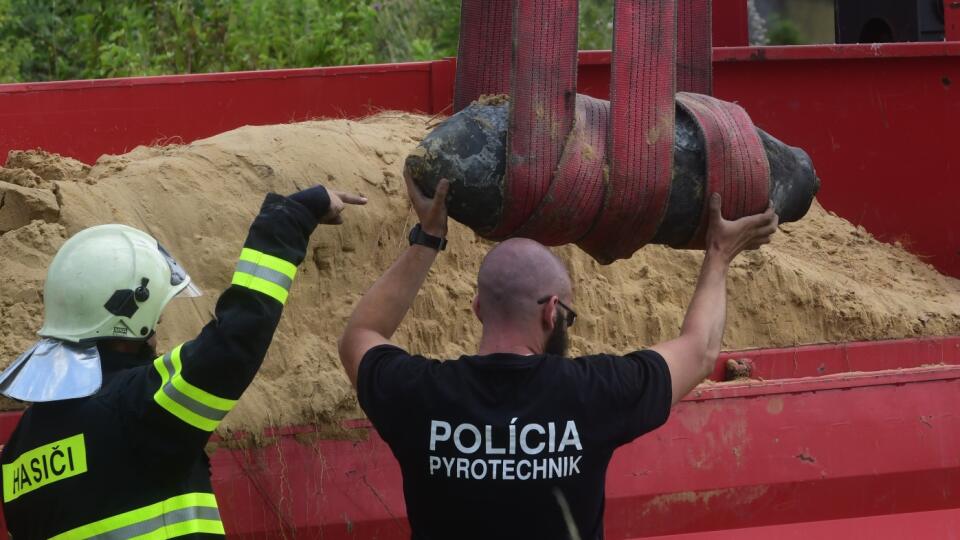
<point>514,442</point>
<point>112,445</point>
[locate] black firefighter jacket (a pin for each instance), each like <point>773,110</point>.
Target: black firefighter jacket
<point>129,460</point>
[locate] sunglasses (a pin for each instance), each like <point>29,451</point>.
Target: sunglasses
<point>571,314</point>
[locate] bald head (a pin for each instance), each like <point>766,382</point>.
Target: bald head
<point>514,276</point>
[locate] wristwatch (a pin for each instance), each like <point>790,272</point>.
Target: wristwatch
<point>417,236</point>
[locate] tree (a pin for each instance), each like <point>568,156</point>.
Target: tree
<point>43,40</point>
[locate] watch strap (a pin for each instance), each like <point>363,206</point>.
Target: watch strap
<point>419,237</point>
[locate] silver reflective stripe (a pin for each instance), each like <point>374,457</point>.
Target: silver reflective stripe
<point>170,518</point>
<point>265,273</point>
<point>186,401</point>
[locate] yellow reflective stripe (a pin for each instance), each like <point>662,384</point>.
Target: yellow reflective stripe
<point>265,274</point>
<point>194,406</point>
<point>184,413</point>
<point>200,502</point>
<point>269,261</point>
<point>181,384</point>
<point>44,465</point>
<point>260,285</point>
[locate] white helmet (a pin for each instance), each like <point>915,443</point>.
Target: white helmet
<point>110,282</point>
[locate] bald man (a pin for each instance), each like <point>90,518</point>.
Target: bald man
<point>514,442</point>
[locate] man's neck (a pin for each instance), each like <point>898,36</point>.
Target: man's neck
<point>495,341</point>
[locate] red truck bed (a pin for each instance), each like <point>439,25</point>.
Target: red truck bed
<point>836,440</point>
<point>789,455</point>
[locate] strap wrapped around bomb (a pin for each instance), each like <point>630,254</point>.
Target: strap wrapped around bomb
<point>609,176</point>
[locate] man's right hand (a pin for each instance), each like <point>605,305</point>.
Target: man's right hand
<point>326,204</point>
<point>432,212</point>
<point>693,354</point>
<point>727,239</point>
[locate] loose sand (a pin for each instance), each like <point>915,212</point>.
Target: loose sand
<point>821,280</point>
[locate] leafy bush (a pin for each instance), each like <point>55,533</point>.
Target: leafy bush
<point>44,40</point>
<point>784,32</point>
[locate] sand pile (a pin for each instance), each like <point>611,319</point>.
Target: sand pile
<point>821,280</point>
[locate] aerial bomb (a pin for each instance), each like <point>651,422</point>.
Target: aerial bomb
<point>469,149</point>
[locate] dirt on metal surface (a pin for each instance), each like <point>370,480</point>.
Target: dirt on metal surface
<point>821,280</point>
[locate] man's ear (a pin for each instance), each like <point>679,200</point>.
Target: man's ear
<point>548,315</point>
<point>476,308</point>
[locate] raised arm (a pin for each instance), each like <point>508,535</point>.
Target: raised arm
<point>192,387</point>
<point>692,356</point>
<point>383,307</point>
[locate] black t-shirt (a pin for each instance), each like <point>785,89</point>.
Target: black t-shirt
<point>491,446</point>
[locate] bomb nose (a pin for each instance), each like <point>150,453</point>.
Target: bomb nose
<point>469,150</point>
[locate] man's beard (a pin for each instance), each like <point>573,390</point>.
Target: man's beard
<point>557,340</point>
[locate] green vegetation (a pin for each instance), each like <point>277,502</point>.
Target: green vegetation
<point>784,32</point>
<point>596,24</point>
<point>51,39</point>
<point>43,40</point>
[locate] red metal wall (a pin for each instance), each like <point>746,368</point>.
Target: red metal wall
<point>84,119</point>
<point>880,123</point>
<point>868,448</point>
<point>871,443</point>
<point>879,120</point>
<point>740,456</point>
<point>730,23</point>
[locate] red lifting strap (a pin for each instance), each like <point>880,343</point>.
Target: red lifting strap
<point>594,172</point>
<point>576,194</point>
<point>542,101</point>
<point>737,165</point>
<point>483,59</point>
<point>640,148</point>
<point>695,46</point>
